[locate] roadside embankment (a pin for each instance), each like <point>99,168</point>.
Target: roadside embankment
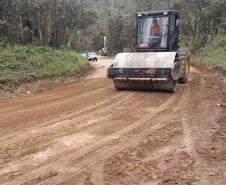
<point>25,65</point>
<point>214,53</point>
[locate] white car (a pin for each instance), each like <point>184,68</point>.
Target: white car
<point>91,56</point>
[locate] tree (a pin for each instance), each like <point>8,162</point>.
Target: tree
<point>115,27</point>
<point>43,22</point>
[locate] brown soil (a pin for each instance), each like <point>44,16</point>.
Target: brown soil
<point>26,89</point>
<point>89,133</point>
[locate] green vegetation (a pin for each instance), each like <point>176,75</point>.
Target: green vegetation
<point>52,23</point>
<point>81,25</point>
<point>215,53</point>
<point>22,64</point>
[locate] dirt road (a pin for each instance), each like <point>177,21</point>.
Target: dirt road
<point>89,133</point>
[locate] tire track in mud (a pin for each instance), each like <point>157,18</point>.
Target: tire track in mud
<point>64,117</point>
<point>24,162</point>
<point>53,104</point>
<point>188,142</point>
<point>178,109</point>
<point>36,174</point>
<point>51,130</point>
<point>182,104</point>
<point>97,177</point>
<point>72,114</point>
<point>190,149</point>
<point>70,123</point>
<point>129,141</point>
<point>191,126</point>
<point>44,98</point>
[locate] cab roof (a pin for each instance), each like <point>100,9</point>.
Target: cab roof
<point>156,13</point>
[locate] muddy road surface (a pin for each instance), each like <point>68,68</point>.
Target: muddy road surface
<point>89,133</point>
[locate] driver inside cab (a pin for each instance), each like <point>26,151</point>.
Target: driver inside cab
<point>155,34</point>
<point>155,28</point>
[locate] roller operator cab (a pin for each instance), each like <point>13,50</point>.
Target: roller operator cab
<point>159,63</point>
<point>157,31</point>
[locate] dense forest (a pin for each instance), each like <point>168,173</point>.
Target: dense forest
<point>82,24</point>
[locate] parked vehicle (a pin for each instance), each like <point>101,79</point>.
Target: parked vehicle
<point>91,56</point>
<point>104,52</point>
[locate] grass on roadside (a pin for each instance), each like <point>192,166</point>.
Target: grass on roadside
<point>21,64</point>
<point>215,53</point>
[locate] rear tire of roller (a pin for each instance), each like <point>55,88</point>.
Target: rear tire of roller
<point>184,56</point>
<point>173,86</point>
